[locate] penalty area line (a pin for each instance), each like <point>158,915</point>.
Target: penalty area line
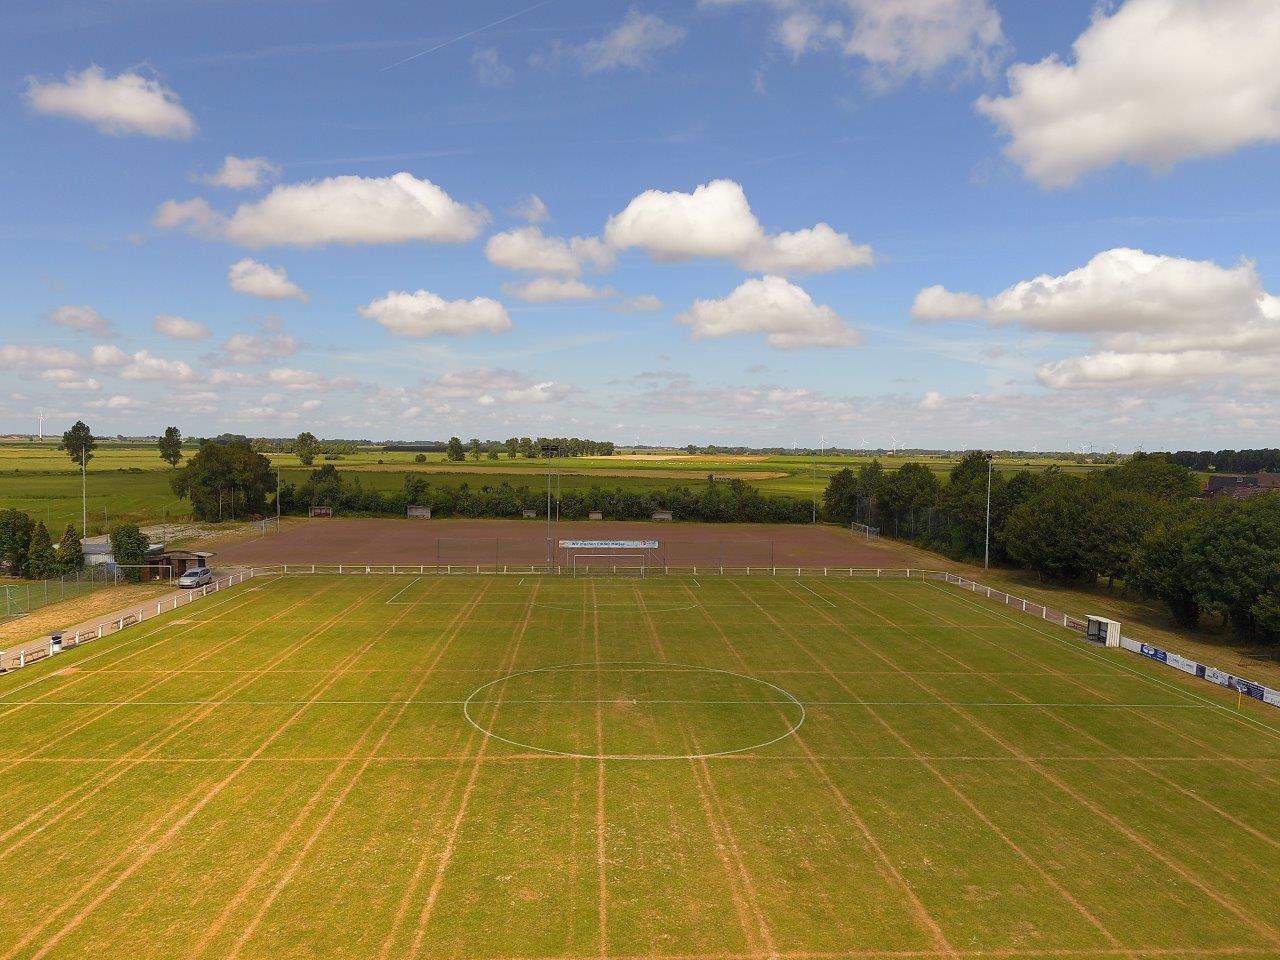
<point>403,589</point>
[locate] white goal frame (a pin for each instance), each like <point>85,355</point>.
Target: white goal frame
<point>639,560</point>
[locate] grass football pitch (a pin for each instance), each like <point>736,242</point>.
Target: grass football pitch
<point>491,767</point>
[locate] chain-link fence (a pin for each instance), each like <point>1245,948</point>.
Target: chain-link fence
<point>20,597</point>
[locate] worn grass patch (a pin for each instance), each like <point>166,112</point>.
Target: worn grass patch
<point>547,768</point>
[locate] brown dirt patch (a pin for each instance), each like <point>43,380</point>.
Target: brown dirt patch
<point>524,542</point>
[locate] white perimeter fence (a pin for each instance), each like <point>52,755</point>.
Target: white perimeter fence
<point>12,660</point>
<point>15,659</point>
<point>1221,677</point>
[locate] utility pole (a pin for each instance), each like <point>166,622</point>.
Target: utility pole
<point>549,450</point>
<point>986,551</point>
<point>84,498</point>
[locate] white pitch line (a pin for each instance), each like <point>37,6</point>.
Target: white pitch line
<point>613,700</point>
<point>801,583</point>
<point>403,589</point>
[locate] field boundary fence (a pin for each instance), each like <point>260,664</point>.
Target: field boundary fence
<point>18,599</point>
<point>1222,678</point>
<point>12,660</point>
<point>28,654</point>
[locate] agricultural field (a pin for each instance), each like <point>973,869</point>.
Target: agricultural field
<point>495,767</point>
<point>128,481</point>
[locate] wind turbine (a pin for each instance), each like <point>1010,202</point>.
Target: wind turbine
<point>894,445</point>
<point>40,418</point>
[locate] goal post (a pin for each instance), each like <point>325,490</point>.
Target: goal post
<point>610,557</point>
<point>323,512</point>
<point>608,564</point>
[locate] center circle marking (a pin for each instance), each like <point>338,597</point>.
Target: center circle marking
<point>786,700</point>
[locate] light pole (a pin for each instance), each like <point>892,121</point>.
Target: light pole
<point>986,550</point>
<point>549,450</point>
<point>84,498</point>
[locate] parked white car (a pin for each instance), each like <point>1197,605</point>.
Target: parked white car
<point>195,577</point>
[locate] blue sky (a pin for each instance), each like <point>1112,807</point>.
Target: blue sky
<point>959,223</point>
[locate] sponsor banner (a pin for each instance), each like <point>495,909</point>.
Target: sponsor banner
<point>1182,663</point>
<point>1272,697</point>
<point>1154,653</point>
<point>1247,688</point>
<point>1217,676</point>
<point>609,544</point>
<point>1133,645</point>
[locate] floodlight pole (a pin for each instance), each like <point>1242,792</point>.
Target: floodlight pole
<point>84,498</point>
<point>986,550</point>
<point>549,450</point>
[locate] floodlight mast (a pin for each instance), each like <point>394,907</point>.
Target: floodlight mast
<point>549,450</point>
<point>986,546</point>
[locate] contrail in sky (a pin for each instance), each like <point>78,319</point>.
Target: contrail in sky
<point>471,33</point>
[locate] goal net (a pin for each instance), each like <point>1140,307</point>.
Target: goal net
<point>590,563</point>
<point>321,512</point>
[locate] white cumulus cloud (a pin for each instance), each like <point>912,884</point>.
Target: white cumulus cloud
<point>529,249</point>
<point>143,366</point>
<point>549,289</point>
<point>783,312</point>
<point>345,210</point>
<point>243,348</point>
<point>1151,82</point>
<point>716,222</point>
<point>1152,318</point>
<point>425,314</point>
<point>632,44</point>
<point>242,173</point>
<point>81,317</point>
<point>127,103</point>
<point>259,280</point>
<point>532,209</point>
<point>179,328</point>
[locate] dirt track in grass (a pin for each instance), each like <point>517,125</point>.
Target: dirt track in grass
<point>524,542</point>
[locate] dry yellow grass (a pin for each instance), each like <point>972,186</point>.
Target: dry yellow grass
<point>57,616</point>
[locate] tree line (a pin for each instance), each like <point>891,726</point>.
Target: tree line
<point>718,501</point>
<point>1229,461</point>
<point>1139,523</point>
<point>527,448</point>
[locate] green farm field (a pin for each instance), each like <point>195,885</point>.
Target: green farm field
<point>128,481</point>
<point>541,767</point>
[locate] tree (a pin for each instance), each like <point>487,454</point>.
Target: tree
<point>16,529</point>
<point>305,448</point>
<point>79,443</point>
<point>840,499</point>
<point>170,446</point>
<point>225,479</point>
<point>475,449</point>
<point>129,548</point>
<point>454,450</point>
<point>1044,533</point>
<point>70,552</point>
<point>41,562</point>
<point>492,454</point>
<point>420,458</point>
<point>513,448</point>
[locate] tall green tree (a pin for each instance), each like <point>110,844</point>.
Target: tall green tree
<point>129,549</point>
<point>305,447</point>
<point>42,564</point>
<point>70,552</point>
<point>513,448</point>
<point>170,446</point>
<point>1046,532</point>
<point>840,499</point>
<point>453,451</point>
<point>16,529</point>
<point>225,479</point>
<point>79,443</point>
